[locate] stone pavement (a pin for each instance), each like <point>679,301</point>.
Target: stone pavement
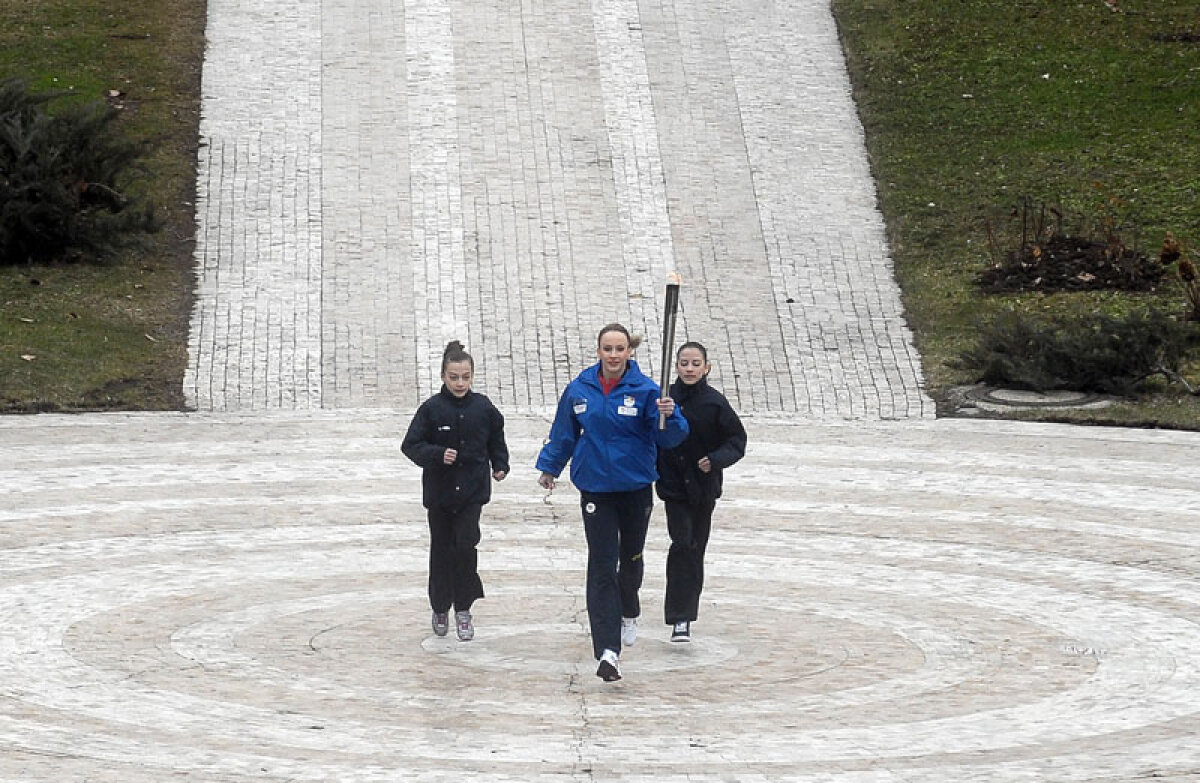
<point>382,176</point>
<point>236,597</point>
<point>237,593</point>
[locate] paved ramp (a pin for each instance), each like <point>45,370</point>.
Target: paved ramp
<point>382,176</point>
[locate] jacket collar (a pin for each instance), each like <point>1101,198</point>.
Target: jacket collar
<point>682,391</point>
<point>633,374</point>
<point>449,395</point>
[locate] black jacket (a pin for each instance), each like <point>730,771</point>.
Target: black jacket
<point>715,432</point>
<point>475,429</point>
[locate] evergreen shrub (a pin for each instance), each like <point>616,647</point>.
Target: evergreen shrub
<point>64,179</point>
<point>1106,353</point>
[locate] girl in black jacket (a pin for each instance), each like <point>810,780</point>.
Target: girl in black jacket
<point>457,437</point>
<point>690,482</point>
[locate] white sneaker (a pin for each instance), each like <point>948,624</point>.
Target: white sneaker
<point>609,670</point>
<point>628,631</point>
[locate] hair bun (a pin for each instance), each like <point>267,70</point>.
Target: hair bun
<point>454,346</point>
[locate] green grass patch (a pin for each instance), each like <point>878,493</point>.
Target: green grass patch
<point>111,336</point>
<point>971,106</point>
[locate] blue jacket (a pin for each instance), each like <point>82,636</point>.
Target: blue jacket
<point>610,440</point>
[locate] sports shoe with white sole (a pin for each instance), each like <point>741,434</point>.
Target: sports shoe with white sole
<point>462,624</point>
<point>628,631</point>
<point>441,623</point>
<point>609,669</point>
<point>681,632</point>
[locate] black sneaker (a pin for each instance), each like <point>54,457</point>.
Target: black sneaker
<point>682,632</point>
<point>608,670</point>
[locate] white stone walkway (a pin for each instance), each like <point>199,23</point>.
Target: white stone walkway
<point>214,598</point>
<point>382,176</point>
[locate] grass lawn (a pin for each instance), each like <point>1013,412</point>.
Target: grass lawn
<point>82,337</point>
<point>972,106</point>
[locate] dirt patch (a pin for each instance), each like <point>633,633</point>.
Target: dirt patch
<point>1186,37</point>
<point>1068,263</point>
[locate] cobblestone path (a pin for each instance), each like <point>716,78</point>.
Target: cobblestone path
<point>382,176</point>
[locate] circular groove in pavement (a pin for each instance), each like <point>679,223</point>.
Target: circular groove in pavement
<point>862,617</point>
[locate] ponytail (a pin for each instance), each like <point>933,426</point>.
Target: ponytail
<point>456,353</point>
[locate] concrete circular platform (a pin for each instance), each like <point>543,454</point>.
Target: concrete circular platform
<point>213,598</point>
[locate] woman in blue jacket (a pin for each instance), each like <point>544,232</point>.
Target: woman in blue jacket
<point>606,426</point>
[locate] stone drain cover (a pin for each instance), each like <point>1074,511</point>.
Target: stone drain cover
<point>994,399</point>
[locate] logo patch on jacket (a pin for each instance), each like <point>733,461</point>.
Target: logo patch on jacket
<point>580,407</point>
<point>629,408</point>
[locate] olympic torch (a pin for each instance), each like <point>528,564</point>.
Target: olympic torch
<point>670,309</point>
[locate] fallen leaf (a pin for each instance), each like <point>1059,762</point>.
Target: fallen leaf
<point>28,357</point>
<point>26,320</point>
<point>151,339</point>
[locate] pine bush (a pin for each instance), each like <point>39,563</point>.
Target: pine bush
<point>63,179</point>
<point>1109,354</point>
